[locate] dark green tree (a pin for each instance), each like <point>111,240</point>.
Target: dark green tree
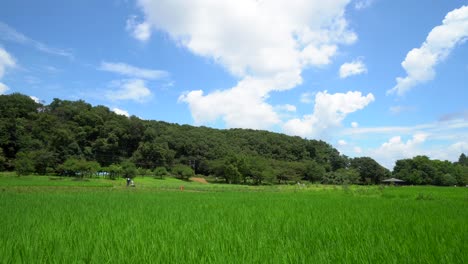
<point>24,164</point>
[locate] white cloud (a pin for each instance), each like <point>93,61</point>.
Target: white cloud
<point>420,62</point>
<point>242,106</point>
<point>287,107</point>
<point>10,34</point>
<point>352,68</point>
<point>396,148</point>
<point>139,30</point>
<point>354,124</point>
<point>306,98</point>
<point>398,109</point>
<point>441,130</point>
<point>329,111</point>
<point>342,142</point>
<point>363,4</point>
<point>121,112</point>
<point>37,100</point>
<point>132,71</point>
<point>6,61</point>
<point>3,88</point>
<point>134,89</point>
<point>266,44</point>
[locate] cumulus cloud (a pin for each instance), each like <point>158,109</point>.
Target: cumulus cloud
<point>420,62</point>
<point>37,100</point>
<point>243,106</point>
<point>266,44</point>
<point>354,124</point>
<point>342,142</point>
<point>121,112</point>
<point>134,89</point>
<point>396,148</point>
<point>139,30</point>
<point>3,88</point>
<point>355,67</point>
<point>329,111</point>
<point>132,71</point>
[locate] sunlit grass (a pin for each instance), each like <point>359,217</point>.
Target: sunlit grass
<point>155,222</point>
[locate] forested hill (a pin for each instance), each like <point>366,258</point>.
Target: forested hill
<point>55,138</point>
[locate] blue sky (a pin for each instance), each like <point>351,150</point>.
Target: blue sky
<point>386,79</point>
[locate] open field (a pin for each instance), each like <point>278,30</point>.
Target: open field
<point>50,220</point>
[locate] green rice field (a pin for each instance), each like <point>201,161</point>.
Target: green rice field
<point>61,220</point>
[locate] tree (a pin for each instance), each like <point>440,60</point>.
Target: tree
<point>2,160</point>
<point>24,164</point>
<point>183,171</point>
<point>231,173</point>
<point>129,169</point>
<point>114,171</point>
<point>342,176</point>
<point>314,171</point>
<point>369,170</point>
<point>160,172</point>
<point>463,160</point>
<point>448,180</point>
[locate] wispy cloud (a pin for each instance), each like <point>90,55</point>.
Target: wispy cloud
<point>132,71</point>
<point>8,33</point>
<point>448,130</point>
<point>306,98</point>
<point>6,61</point>
<point>456,115</point>
<point>363,4</point>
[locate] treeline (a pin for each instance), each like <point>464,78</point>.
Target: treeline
<point>422,170</point>
<point>76,139</point>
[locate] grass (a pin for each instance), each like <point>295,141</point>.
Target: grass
<point>211,223</point>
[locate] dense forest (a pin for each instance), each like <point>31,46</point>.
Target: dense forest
<point>73,138</point>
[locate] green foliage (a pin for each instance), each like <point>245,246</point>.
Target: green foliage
<point>314,171</point>
<point>160,172</point>
<point>129,169</point>
<point>182,171</point>
<point>114,171</point>
<point>448,180</point>
<point>369,170</point>
<point>422,170</point>
<point>79,168</point>
<point>24,164</point>
<point>63,130</point>
<point>2,160</point>
<point>342,176</point>
<point>463,160</point>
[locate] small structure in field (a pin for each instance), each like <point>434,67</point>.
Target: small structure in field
<point>393,181</point>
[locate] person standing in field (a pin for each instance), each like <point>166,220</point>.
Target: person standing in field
<point>128,181</point>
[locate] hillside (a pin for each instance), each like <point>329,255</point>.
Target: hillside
<point>64,135</point>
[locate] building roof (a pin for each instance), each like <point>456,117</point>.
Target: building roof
<point>393,180</point>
